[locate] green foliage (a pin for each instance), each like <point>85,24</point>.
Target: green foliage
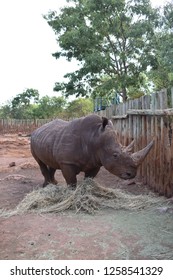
<point>79,107</point>
<point>109,38</point>
<point>21,104</point>
<point>25,98</point>
<point>45,108</point>
<point>162,76</point>
<point>5,111</point>
<point>49,107</point>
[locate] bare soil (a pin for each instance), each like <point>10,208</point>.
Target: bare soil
<point>108,234</point>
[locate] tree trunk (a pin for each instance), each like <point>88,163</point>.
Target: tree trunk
<point>124,94</point>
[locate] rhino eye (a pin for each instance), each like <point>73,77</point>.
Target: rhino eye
<point>115,155</point>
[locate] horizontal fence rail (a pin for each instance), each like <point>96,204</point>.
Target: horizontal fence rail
<point>144,119</point>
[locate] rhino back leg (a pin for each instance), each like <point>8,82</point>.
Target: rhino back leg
<point>92,172</point>
<point>51,174</point>
<point>45,171</point>
<point>43,167</point>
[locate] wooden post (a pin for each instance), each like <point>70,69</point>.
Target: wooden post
<point>172,97</point>
<point>163,99</point>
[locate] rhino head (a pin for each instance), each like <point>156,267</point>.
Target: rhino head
<point>117,159</point>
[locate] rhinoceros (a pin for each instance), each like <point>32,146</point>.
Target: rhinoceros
<point>83,145</point>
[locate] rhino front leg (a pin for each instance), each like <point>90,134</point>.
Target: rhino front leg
<point>69,173</point>
<point>92,172</point>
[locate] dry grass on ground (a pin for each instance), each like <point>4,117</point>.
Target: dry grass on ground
<point>89,197</point>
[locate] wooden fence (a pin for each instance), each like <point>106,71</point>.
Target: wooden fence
<point>144,119</point>
<point>23,126</point>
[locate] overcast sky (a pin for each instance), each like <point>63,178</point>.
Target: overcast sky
<point>26,45</point>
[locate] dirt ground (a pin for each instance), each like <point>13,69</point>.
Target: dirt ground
<point>108,234</point>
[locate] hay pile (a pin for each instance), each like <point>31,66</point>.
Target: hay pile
<point>88,197</point>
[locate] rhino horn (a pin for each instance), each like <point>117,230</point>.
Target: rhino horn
<point>139,156</point>
<point>128,149</point>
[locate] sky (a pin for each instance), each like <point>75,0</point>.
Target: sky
<point>26,46</point>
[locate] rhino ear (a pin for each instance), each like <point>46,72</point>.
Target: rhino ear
<point>104,122</point>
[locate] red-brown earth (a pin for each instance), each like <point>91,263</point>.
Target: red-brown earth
<point>108,234</point>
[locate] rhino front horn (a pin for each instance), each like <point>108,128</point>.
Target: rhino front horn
<point>139,156</point>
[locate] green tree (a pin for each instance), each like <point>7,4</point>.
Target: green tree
<point>22,108</point>
<point>5,111</point>
<point>22,103</point>
<point>26,98</point>
<point>162,76</point>
<point>109,38</point>
<point>49,107</point>
<point>79,107</point>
